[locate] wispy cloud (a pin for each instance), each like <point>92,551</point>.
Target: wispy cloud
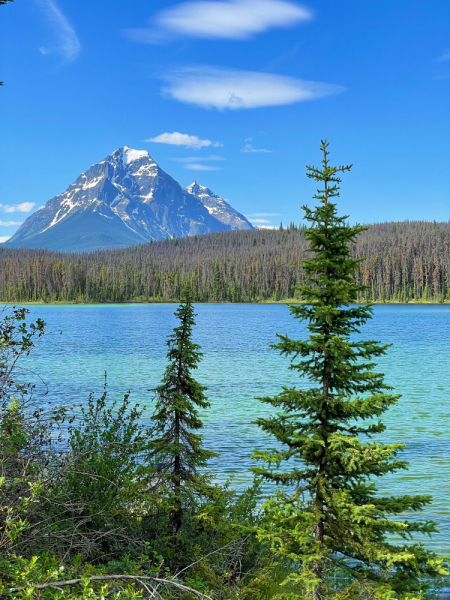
<point>211,87</point>
<point>259,221</point>
<point>9,223</point>
<point>68,45</point>
<point>445,55</point>
<point>285,58</point>
<point>191,159</point>
<point>230,19</point>
<point>183,139</point>
<point>249,148</point>
<point>23,207</point>
<point>199,167</point>
<point>4,239</point>
<point>191,164</point>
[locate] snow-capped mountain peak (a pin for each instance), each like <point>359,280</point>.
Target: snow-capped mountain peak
<point>123,200</point>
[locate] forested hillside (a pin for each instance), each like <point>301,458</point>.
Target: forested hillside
<point>406,261</point>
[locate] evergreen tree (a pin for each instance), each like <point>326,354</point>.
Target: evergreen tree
<point>177,450</point>
<point>217,282</point>
<point>342,538</point>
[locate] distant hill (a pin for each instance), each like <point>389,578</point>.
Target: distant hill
<point>124,200</point>
<point>407,261</point>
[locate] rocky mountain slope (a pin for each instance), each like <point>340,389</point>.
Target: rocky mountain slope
<point>125,199</point>
<point>218,207</point>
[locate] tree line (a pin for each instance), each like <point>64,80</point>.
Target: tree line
<point>405,261</point>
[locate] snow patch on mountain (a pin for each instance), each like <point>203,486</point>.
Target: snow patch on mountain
<point>93,183</point>
<point>129,155</point>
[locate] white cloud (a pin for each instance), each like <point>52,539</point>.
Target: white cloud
<point>190,159</point>
<point>445,55</point>
<point>4,239</point>
<point>23,207</point>
<point>211,87</point>
<point>9,223</point>
<point>226,19</point>
<point>198,167</point>
<point>183,139</point>
<point>259,221</point>
<point>68,46</point>
<point>249,148</point>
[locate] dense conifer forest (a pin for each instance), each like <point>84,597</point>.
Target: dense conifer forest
<point>406,261</point>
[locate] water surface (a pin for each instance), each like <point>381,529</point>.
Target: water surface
<point>128,341</point>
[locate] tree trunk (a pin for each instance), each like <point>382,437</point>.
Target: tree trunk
<point>318,567</point>
<point>178,512</point>
<point>319,530</point>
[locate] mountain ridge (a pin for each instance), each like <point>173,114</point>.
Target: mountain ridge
<point>123,200</point>
<point>217,206</point>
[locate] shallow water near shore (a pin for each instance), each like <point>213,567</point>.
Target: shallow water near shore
<point>128,341</point>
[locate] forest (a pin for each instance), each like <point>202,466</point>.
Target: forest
<point>405,262</point>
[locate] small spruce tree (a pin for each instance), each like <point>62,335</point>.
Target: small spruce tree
<point>341,538</point>
<point>177,450</point>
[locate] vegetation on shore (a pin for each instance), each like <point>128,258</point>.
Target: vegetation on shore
<point>96,503</point>
<point>405,262</point>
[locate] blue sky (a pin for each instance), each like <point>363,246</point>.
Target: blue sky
<point>242,89</point>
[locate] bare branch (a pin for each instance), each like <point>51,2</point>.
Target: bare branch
<point>138,578</point>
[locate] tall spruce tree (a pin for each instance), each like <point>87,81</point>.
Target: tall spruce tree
<point>341,537</point>
<point>177,450</point>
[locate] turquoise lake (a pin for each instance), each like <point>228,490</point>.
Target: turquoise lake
<point>128,341</point>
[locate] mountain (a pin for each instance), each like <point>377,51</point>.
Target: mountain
<point>125,199</point>
<point>218,207</point>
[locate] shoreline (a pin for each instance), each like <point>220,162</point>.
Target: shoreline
<point>160,301</point>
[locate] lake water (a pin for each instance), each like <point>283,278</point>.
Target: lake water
<point>128,341</point>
